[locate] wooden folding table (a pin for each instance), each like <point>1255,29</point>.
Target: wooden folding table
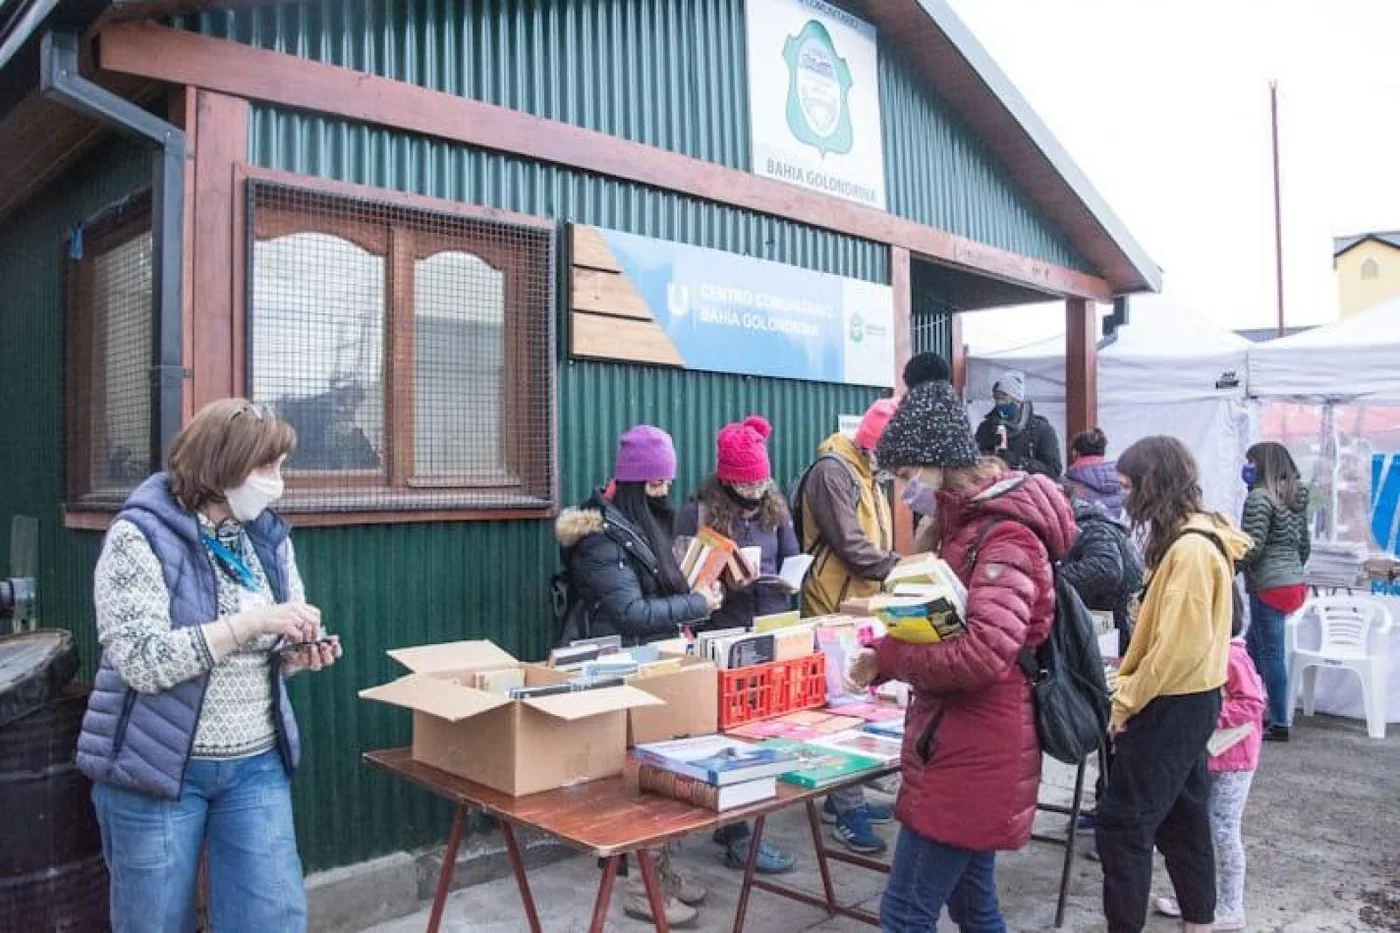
<point>611,818</point>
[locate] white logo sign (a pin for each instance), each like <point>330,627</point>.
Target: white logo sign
<point>814,99</point>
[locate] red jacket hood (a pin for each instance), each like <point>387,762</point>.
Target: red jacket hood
<point>1034,501</point>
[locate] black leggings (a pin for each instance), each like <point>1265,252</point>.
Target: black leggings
<point>1158,791</point>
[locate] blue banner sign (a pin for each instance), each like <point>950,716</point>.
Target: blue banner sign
<point>735,314</point>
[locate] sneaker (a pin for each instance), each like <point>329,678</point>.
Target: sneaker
<point>877,813</point>
<point>1276,734</point>
<point>677,914</point>
<point>853,831</point>
<point>1229,922</point>
<point>771,859</point>
<point>1167,907</point>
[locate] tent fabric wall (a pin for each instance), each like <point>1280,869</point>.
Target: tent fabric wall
<point>1357,357</point>
<point>1167,372</point>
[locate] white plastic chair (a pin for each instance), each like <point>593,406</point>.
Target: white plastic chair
<point>1348,625</point>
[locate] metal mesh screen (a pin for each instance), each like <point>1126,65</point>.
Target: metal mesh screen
<point>111,352</point>
<point>411,349</point>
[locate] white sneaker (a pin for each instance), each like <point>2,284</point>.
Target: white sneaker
<point>1229,922</point>
<point>1167,907</point>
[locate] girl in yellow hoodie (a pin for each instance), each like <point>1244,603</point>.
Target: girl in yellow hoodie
<point>1168,695</point>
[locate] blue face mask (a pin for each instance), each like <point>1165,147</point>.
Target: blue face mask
<point>1249,474</point>
<point>1007,411</point>
<point>920,497</point>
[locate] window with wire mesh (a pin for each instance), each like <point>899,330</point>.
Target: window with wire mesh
<point>411,350</point>
<point>110,351</point>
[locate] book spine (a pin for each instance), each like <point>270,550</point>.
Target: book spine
<point>669,784</point>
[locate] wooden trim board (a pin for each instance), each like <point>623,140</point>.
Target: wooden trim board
<point>166,54</point>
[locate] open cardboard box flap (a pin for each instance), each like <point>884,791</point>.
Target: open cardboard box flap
<point>436,697</point>
<point>453,656</point>
<point>585,703</point>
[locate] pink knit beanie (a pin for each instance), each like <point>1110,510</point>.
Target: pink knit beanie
<point>742,452</point>
<point>873,425</point>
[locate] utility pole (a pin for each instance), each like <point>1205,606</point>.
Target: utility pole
<point>1278,204</point>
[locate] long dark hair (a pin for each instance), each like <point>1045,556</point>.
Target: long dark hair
<point>1166,491</point>
<point>653,519</point>
<point>1277,473</point>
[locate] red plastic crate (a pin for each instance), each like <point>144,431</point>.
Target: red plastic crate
<point>767,690</point>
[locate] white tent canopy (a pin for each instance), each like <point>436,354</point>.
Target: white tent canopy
<point>1167,372</point>
<point>1356,358</point>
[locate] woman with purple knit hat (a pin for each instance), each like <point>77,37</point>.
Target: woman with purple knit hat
<point>624,580</point>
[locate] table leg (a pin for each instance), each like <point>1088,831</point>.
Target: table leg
<point>750,866</point>
<point>449,865</point>
<point>517,864</point>
<point>655,898</point>
<point>820,846</point>
<point>605,886</point>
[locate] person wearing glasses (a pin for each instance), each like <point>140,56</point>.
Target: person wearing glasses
<point>189,737</point>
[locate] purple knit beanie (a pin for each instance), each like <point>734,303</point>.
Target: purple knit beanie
<point>645,455</point>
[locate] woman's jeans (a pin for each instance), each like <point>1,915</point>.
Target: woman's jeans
<point>925,875</point>
<point>243,809</point>
<point>1264,640</point>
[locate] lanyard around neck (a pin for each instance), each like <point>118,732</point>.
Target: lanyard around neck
<point>233,565</point>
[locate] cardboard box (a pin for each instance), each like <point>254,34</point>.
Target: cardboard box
<point>691,695</point>
<point>517,747</point>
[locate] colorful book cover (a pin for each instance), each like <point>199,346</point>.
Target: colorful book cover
<point>716,759</point>
<point>821,766</point>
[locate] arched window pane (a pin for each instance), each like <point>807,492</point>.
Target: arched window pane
<point>459,320</point>
<point>1370,269</point>
<point>318,347</point>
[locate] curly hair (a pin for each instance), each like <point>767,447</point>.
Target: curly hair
<point>1166,491</point>
<point>1090,443</point>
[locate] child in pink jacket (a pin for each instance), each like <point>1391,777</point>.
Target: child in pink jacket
<point>1233,771</point>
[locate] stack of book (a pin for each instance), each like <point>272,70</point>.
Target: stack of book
<point>705,558</point>
<point>713,771</point>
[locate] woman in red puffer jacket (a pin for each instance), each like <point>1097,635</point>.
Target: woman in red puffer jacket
<point>971,759</point>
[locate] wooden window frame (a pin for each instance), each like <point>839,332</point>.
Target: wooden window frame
<point>85,362</point>
<point>401,243</point>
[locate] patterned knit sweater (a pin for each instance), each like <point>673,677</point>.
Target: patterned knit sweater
<point>133,625</point>
<point>1282,541</point>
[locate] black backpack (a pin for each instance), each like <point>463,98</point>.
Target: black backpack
<point>795,491</point>
<point>1071,697</point>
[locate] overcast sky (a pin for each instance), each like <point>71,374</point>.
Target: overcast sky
<point>1164,105</point>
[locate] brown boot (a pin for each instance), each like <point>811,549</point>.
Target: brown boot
<point>639,908</point>
<point>682,887</point>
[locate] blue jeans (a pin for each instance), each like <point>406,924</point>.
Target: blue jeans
<point>243,810</point>
<point>925,875</point>
<point>1264,640</point>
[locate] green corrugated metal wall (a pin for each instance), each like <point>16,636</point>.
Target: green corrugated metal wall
<point>665,73</point>
<point>385,586</point>
<point>31,378</point>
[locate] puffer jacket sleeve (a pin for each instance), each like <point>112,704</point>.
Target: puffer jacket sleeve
<point>1305,536</point>
<point>1094,566</point>
<point>1256,522</point>
<point>607,579</point>
<point>1011,571</point>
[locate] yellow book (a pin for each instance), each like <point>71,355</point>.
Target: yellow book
<point>771,623</point>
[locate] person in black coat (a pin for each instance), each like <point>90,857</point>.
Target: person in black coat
<point>1015,433</point>
<point>1103,565</point>
<point>623,575</point>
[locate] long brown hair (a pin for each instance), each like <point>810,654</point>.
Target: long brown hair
<point>1277,473</point>
<point>220,446</point>
<point>1166,491</point>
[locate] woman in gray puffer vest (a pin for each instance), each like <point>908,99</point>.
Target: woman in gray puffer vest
<point>1276,518</point>
<point>189,737</point>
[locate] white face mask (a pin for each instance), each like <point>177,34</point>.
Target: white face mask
<point>251,499</point>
